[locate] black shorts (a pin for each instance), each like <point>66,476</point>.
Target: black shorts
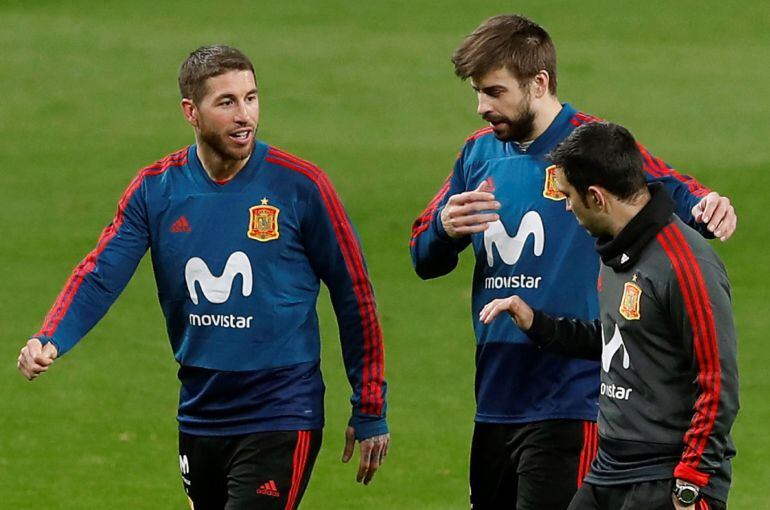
<point>260,471</point>
<point>530,466</point>
<point>655,495</point>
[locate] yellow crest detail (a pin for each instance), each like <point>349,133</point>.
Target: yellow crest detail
<point>550,190</point>
<point>263,224</point>
<point>629,303</point>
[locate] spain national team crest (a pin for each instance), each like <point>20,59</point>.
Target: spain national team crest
<point>263,225</point>
<point>550,190</point>
<point>629,304</point>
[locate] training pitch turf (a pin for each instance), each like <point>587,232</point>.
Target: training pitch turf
<point>365,90</point>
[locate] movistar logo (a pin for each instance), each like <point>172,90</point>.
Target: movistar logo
<point>217,289</point>
<point>610,349</point>
<point>510,248</point>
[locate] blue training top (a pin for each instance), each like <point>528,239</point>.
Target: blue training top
<point>238,267</point>
<point>538,251</point>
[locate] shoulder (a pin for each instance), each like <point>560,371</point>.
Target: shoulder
<point>304,172</point>
<point>481,145</point>
<point>480,133</point>
<point>579,118</point>
<point>176,159</point>
<point>687,253</point>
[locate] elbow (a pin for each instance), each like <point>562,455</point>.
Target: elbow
<point>424,271</point>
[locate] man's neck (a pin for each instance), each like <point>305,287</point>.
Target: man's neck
<point>545,113</point>
<point>218,168</point>
<point>624,212</point>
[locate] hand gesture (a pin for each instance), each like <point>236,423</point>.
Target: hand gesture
<point>517,308</point>
<point>462,215</point>
<point>717,212</point>
<point>373,453</point>
<point>35,358</point>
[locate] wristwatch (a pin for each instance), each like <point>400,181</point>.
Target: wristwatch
<point>686,493</point>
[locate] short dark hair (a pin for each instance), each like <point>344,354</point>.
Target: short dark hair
<point>207,62</point>
<point>511,41</point>
<point>601,154</point>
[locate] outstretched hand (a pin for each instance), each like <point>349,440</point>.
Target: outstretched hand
<point>373,453</point>
<point>517,308</point>
<point>718,214</point>
<point>35,358</point>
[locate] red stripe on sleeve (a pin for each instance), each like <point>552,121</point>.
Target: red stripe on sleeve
<point>479,133</point>
<point>373,358</point>
<point>422,223</point>
<point>655,166</point>
<point>371,390</point>
<point>658,168</point>
<point>699,312</point>
<point>87,265</point>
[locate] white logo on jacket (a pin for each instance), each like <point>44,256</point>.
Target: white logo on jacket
<point>609,350</point>
<point>217,288</point>
<point>510,248</point>
<point>608,353</point>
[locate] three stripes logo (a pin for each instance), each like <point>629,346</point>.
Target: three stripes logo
<point>181,225</point>
<point>269,489</point>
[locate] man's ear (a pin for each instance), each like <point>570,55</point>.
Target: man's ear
<point>540,84</point>
<point>190,112</point>
<point>597,197</point>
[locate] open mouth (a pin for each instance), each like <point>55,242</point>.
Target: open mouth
<point>241,136</point>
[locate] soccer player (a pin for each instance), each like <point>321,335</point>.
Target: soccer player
<point>535,428</point>
<point>241,234</point>
<point>665,337</point>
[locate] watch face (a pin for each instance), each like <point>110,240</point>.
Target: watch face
<point>687,495</point>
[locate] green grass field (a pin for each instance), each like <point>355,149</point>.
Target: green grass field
<point>366,90</point>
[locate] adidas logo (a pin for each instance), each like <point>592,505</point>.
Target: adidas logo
<point>269,489</point>
<point>181,225</point>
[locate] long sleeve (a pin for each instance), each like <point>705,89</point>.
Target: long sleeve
<point>434,253</point>
<point>571,337</point>
<point>685,190</point>
<point>102,275</point>
<point>700,307</point>
<point>335,253</point>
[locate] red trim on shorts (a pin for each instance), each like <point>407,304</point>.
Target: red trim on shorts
<point>298,469</point>
<point>588,453</point>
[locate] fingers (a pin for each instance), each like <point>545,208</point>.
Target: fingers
<point>469,213</point>
<point>492,310</point>
<point>350,443</point>
<point>718,214</point>
<point>34,358</point>
<point>520,312</point>
<point>373,452</point>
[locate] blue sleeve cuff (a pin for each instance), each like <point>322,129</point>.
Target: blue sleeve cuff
<point>367,427</point>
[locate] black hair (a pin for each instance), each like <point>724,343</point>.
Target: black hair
<point>601,154</point>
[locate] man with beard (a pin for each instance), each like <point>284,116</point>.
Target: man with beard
<point>241,234</point>
<point>535,430</point>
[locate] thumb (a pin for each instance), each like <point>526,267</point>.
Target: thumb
<point>350,444</point>
<point>485,186</point>
<point>520,312</point>
<point>697,210</point>
<point>50,351</point>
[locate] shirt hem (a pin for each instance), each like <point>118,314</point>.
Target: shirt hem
<point>585,416</point>
<point>221,431</point>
